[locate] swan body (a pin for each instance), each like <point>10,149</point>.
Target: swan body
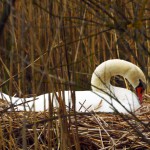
<point>86,101</point>
<point>103,98</point>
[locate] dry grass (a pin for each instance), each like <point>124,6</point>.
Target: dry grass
<point>29,130</point>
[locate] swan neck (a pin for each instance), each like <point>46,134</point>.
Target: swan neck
<point>102,75</point>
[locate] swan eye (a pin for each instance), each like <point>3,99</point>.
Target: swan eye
<point>142,84</point>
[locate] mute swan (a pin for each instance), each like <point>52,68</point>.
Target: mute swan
<point>96,100</point>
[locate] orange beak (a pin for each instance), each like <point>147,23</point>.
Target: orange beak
<point>139,92</point>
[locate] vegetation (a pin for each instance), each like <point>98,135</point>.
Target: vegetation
<point>53,45</point>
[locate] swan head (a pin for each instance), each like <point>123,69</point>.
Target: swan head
<point>137,79</point>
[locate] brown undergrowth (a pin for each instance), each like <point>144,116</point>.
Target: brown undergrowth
<point>91,130</point>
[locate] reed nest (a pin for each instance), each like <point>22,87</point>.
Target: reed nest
<point>91,131</point>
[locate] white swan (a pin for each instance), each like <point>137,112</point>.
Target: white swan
<point>95,100</point>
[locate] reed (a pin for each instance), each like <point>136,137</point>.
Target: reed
<point>46,46</point>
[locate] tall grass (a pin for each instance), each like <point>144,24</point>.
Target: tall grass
<point>46,46</point>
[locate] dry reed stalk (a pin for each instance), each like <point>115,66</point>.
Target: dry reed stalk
<point>56,41</point>
<point>95,131</point>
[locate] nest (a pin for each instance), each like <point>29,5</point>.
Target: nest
<point>70,130</point>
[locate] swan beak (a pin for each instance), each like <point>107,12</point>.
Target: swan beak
<point>139,92</point>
